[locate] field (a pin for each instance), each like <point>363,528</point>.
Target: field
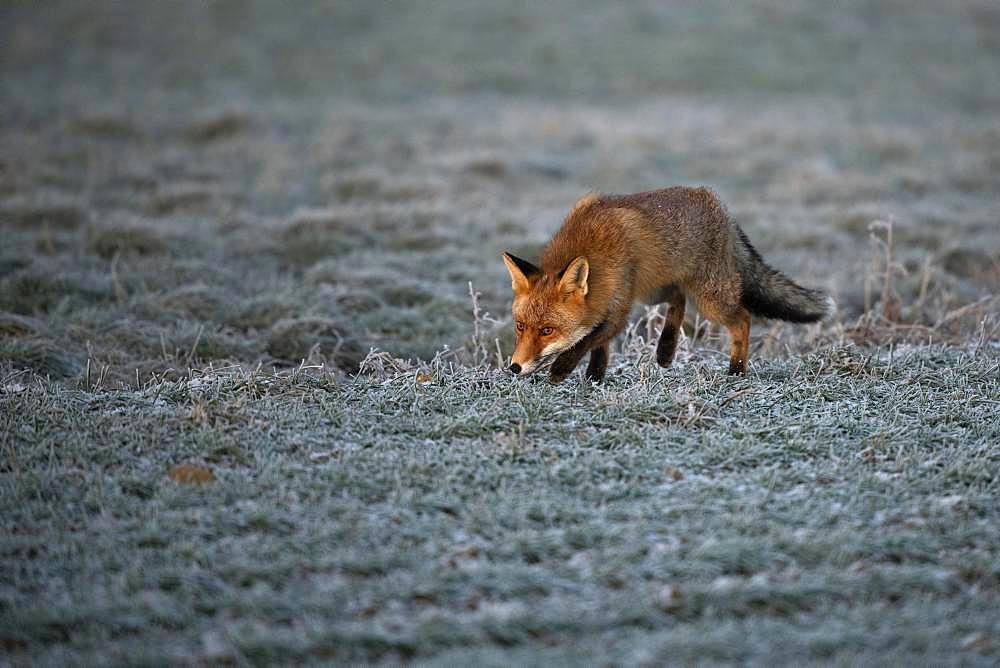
<point>252,310</point>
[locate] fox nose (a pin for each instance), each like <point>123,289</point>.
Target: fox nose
<point>515,368</point>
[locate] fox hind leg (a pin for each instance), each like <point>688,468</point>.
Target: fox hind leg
<point>598,363</point>
<point>667,344</point>
<point>739,335</point>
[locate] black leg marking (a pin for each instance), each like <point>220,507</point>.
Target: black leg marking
<point>598,363</point>
<point>565,363</point>
<point>567,360</point>
<point>667,345</point>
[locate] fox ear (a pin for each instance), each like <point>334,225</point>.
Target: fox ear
<point>574,276</point>
<point>521,272</point>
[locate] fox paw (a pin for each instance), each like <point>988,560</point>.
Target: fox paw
<point>737,367</point>
<point>665,359</point>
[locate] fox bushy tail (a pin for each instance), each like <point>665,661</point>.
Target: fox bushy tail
<point>768,293</point>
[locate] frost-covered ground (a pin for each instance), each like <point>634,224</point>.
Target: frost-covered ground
<point>841,507</point>
<point>210,213</point>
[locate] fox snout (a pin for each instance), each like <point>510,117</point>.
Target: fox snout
<point>526,362</point>
<point>525,368</point>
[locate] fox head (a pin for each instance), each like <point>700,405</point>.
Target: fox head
<point>549,311</point>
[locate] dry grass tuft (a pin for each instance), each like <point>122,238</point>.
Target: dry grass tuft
<point>106,126</point>
<point>41,355</point>
<point>183,197</point>
<point>58,213</point>
<point>927,314</point>
<point>311,339</point>
<point>198,301</point>
<point>218,127</point>
<point>977,264</point>
<point>311,235</point>
<point>18,326</point>
<point>260,312</point>
<point>135,238</point>
<point>39,289</point>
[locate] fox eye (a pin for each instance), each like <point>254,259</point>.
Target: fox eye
<point>519,326</point>
<point>546,331</point>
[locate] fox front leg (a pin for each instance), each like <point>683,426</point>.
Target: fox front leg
<point>598,363</point>
<point>566,362</point>
<point>603,332</point>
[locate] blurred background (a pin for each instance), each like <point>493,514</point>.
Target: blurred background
<point>261,181</point>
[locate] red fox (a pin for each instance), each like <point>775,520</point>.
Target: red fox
<point>666,245</point>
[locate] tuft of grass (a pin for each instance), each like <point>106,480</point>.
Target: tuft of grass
<point>260,312</point>
<point>221,126</point>
<point>197,301</point>
<point>17,326</point>
<point>36,290</point>
<point>298,339</point>
<point>922,316</point>
<point>311,235</point>
<point>139,239</point>
<point>39,354</point>
<point>36,214</point>
<point>182,197</point>
<point>106,126</point>
<point>975,263</point>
